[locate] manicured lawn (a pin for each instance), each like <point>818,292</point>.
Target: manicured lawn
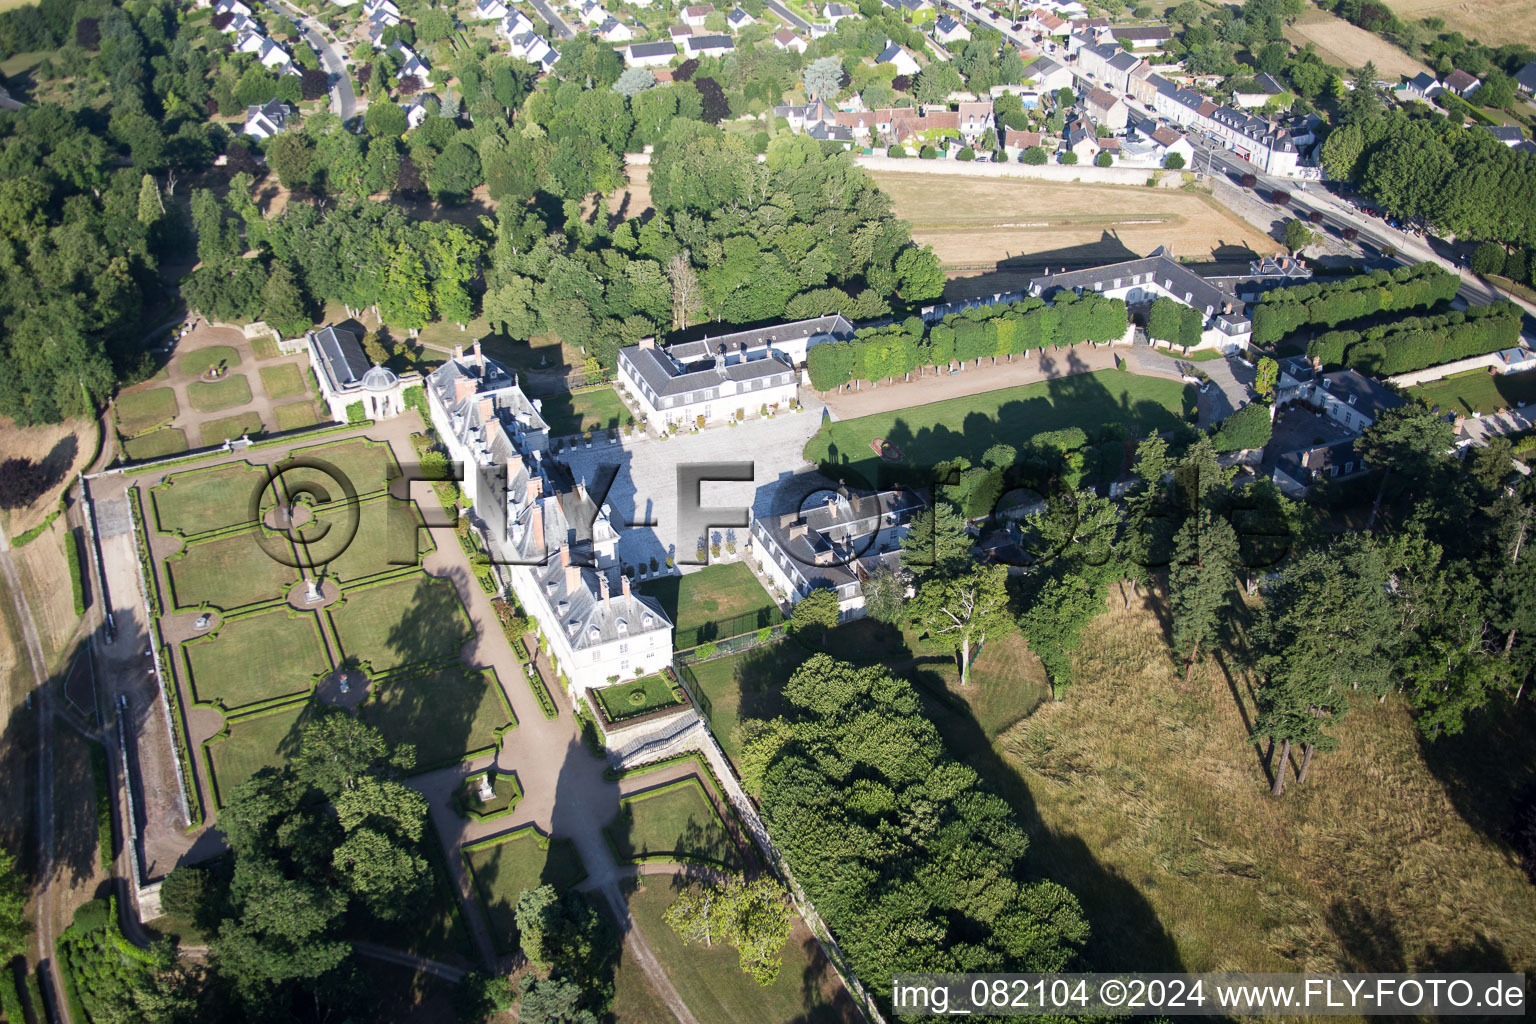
<point>165,441</point>
<point>591,410</point>
<point>710,979</point>
<point>367,464</point>
<point>282,381</point>
<point>264,347</point>
<point>211,396</point>
<point>386,539</point>
<point>627,700</point>
<point>416,621</point>
<point>295,415</point>
<point>1478,391</point>
<point>673,822</point>
<point>230,427</point>
<point>259,658</point>
<point>141,411</point>
<point>228,572</point>
<point>261,741</point>
<point>445,714</point>
<point>968,426</point>
<point>523,860</point>
<point>717,601</point>
<point>195,364</point>
<point>207,499</point>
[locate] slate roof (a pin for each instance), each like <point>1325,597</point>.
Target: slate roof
<point>1041,67</point>
<point>1153,33</point>
<point>1525,78</point>
<point>691,365</point>
<point>652,50</point>
<point>696,43</point>
<point>1268,84</point>
<point>1361,392</point>
<point>1423,81</point>
<point>1158,267</point>
<point>1506,133</point>
<point>861,533</point>
<point>946,24</point>
<point>1102,99</point>
<point>1459,81</point>
<point>1123,60</point>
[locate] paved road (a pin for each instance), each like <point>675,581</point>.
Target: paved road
<point>343,100</point>
<point>788,15</point>
<point>557,25</point>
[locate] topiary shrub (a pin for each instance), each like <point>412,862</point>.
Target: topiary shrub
<point>927,153</point>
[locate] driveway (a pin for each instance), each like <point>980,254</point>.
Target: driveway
<point>645,489</point>
<point>343,100</point>
<point>788,15</point>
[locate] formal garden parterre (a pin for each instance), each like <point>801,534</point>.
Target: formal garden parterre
<point>502,866</point>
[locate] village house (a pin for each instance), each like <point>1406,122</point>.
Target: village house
<point>948,30</point>
<point>1463,84</point>
<point>1106,109</point>
<point>695,16</point>
<point>913,130</point>
<point>1422,86</point>
<point>1152,37</point>
<point>1139,282</point>
<point>784,39</point>
<point>1317,417</point>
<point>265,120</point>
<point>1048,75</point>
<point>592,13</point>
<point>1016,141</point>
<point>834,541</point>
<point>490,10</point>
<point>836,12</point>
<point>900,58</point>
<point>708,46</point>
<point>615,31</point>
<point>739,19</point>
<point>1107,65</point>
<point>975,119</point>
<point>649,55</point>
<point>1525,78</point>
<point>727,377</point>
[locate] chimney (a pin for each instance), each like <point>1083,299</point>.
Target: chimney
<point>624,584</point>
<point>458,351</point>
<point>479,356</point>
<point>487,410</point>
<point>536,527</point>
<point>648,342</point>
<point>463,387</point>
<point>602,585</point>
<point>535,487</point>
<point>572,572</point>
<point>581,491</point>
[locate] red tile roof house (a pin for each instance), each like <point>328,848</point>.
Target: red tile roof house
<point>1462,84</point>
<point>1016,141</point>
<point>695,15</point>
<point>915,130</point>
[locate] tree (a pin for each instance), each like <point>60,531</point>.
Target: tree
<point>1248,429</point>
<point>937,543</point>
<point>293,157</point>
<point>552,1001</point>
<point>687,297</point>
<point>1199,581</point>
<point>936,81</point>
<point>184,891</point>
<point>633,82</point>
<point>384,119</point>
<point>1053,624</point>
<point>1409,440</point>
<point>956,613</point>
<point>14,926</point>
<point>823,78</point>
<point>752,916</point>
<point>1174,161</point>
<point>481,996</point>
<point>434,24</point>
<point>1267,378</point>
<point>1488,258</point>
<point>1069,157</point>
<point>566,934</point>
<point>885,596</point>
<point>284,306</point>
<point>1297,235</point>
<point>1034,156</point>
<point>816,610</point>
<point>151,205</point>
<point>22,481</point>
<point>1104,159</point>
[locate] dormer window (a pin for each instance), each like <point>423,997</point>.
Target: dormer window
<point>595,633</point>
<point>563,606</point>
<point>549,587</point>
<point>647,621</point>
<point>1352,399</point>
<point>622,626</point>
<point>572,626</point>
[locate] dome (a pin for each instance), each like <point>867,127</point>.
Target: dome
<point>379,379</point>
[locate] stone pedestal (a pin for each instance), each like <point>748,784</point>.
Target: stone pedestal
<point>487,790</point>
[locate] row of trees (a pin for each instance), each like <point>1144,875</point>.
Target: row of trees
<point>1464,183</point>
<point>1283,310</point>
<point>1417,342</point>
<point>978,333</point>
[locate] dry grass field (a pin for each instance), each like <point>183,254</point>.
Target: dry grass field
<point>1494,22</point>
<point>62,448</point>
<point>1339,42</point>
<point>1153,807</point>
<point>44,576</point>
<point>977,223</point>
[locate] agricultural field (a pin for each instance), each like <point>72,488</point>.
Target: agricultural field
<point>1493,22</point>
<point>976,224</point>
<point>1338,42</point>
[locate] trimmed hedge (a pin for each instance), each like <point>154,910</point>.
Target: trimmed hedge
<point>37,531</point>
<point>981,332</point>
<point>76,581</point>
<point>10,998</point>
<point>1283,310</point>
<point>101,779</point>
<point>1418,342</point>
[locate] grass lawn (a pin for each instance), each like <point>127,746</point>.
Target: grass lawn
<point>1149,801</point>
<point>386,539</point>
<point>644,695</point>
<point>591,410</point>
<point>368,464</point>
<point>523,860</point>
<point>228,572</point>
<point>211,396</point>
<point>1007,682</point>
<point>206,499</point>
<point>282,381</point>
<point>142,411</point>
<point>673,822</point>
<point>254,743</point>
<point>1478,391</point>
<point>446,714</point>
<point>165,441</point>
<point>542,353</point>
<point>416,621</point>
<point>196,363</point>
<point>264,347</point>
<point>230,427</point>
<point>295,415</point>
<point>710,979</point>
<point>259,658</point>
<point>717,601</point>
<point>968,426</point>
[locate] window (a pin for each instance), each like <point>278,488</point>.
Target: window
<point>623,648</point>
<point>1333,470</point>
<point>1349,467</point>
